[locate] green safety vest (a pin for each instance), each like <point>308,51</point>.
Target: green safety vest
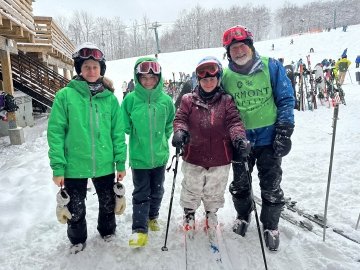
<point>253,96</point>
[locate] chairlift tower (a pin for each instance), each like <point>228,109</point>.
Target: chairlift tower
<point>154,26</point>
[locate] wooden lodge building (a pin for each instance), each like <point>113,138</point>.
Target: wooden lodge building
<point>35,61</point>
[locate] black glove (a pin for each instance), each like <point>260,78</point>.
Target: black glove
<point>180,138</point>
<point>242,147</point>
<point>282,142</point>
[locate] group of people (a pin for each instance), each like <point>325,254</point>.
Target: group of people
<point>127,87</point>
<point>241,115</point>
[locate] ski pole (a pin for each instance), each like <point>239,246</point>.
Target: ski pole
<point>177,155</point>
<point>335,117</point>
<point>350,77</point>
<point>255,211</point>
<point>357,223</point>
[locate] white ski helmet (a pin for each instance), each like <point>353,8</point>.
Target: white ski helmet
<point>93,52</point>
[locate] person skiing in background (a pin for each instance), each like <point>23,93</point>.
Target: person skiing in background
<point>86,140</point>
<point>206,125</point>
<point>148,113</point>
<point>264,98</point>
<point>341,67</point>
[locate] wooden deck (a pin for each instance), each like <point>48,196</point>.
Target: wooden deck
<point>16,20</point>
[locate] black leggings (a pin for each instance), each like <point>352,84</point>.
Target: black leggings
<point>76,188</point>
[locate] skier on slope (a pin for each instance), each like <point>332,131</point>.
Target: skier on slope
<point>265,101</point>
<point>206,124</point>
<point>85,142</point>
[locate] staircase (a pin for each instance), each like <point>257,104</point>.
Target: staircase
<point>35,79</point>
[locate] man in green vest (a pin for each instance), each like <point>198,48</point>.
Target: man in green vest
<point>264,97</point>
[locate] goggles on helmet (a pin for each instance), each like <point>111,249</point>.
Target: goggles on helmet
<point>145,67</point>
<point>87,53</point>
<point>238,33</point>
<point>207,68</point>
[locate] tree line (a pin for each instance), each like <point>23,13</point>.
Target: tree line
<point>199,28</point>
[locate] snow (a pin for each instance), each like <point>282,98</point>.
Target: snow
<point>31,237</point>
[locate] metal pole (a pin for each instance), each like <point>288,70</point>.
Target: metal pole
<point>178,150</point>
<point>357,223</point>
<point>335,117</point>
<point>255,210</point>
<point>350,77</point>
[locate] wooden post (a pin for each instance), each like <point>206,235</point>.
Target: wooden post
<point>8,83</point>
<point>16,134</point>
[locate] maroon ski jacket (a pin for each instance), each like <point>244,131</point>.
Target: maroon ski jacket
<point>212,125</point>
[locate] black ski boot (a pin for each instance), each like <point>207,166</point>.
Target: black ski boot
<point>272,239</point>
<point>241,225</point>
<point>189,222</point>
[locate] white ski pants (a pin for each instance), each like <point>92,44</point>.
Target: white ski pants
<point>200,184</point>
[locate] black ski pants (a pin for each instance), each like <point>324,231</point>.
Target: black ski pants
<point>147,196</point>
<point>77,188</point>
<point>270,175</point>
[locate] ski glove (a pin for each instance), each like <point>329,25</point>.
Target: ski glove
<point>180,138</point>
<point>242,147</point>
<point>282,142</point>
<point>120,201</point>
<point>62,212</point>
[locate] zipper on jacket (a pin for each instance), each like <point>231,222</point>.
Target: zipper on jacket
<point>151,133</point>
<point>92,137</point>
<point>97,121</point>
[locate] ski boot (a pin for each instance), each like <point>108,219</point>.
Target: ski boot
<point>241,225</point>
<point>272,239</point>
<point>75,249</point>
<point>189,222</point>
<point>153,225</point>
<point>138,239</point>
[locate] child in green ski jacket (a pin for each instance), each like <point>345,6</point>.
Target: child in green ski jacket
<point>148,113</point>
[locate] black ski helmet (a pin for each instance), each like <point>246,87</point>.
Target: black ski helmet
<point>79,60</point>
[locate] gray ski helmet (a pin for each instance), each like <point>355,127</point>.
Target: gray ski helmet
<point>211,59</point>
<point>79,60</point>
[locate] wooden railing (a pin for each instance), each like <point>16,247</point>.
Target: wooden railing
<point>47,32</point>
<point>16,20</point>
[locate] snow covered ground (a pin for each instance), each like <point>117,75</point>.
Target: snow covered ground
<point>31,237</point>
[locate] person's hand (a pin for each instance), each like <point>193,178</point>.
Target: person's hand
<point>242,147</point>
<point>120,175</point>
<point>282,141</point>
<point>180,138</point>
<point>58,180</point>
<point>63,214</point>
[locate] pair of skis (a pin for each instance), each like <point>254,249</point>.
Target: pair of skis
<point>218,257</point>
<point>308,220</point>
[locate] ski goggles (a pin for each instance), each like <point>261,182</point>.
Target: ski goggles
<point>207,68</point>
<point>145,67</point>
<point>87,53</point>
<point>237,33</point>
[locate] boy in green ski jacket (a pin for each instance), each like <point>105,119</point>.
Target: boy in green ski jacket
<point>86,140</point>
<point>148,113</point>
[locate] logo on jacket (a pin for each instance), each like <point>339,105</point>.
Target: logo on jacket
<point>249,83</point>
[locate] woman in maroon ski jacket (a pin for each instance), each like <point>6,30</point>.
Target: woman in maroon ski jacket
<point>206,125</point>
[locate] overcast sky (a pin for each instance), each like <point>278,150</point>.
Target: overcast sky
<point>129,10</point>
